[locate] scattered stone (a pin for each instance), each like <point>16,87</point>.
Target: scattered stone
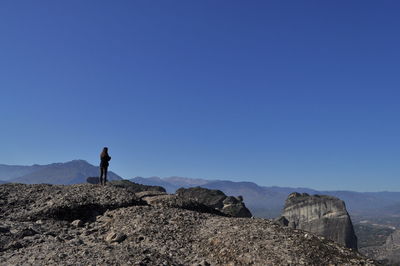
<point>4,229</point>
<point>43,201</point>
<point>26,232</point>
<point>115,237</point>
<point>77,223</point>
<point>127,231</point>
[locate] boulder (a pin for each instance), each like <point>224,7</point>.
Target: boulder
<point>115,237</point>
<point>93,180</point>
<point>174,201</point>
<point>323,215</point>
<point>216,199</point>
<point>149,194</point>
<point>77,223</point>
<point>135,187</point>
<point>282,221</point>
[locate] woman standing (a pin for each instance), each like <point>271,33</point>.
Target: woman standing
<point>104,159</point>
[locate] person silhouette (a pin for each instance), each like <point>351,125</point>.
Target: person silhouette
<point>104,159</point>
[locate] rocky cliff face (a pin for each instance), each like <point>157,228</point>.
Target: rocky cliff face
<point>389,252</point>
<point>323,215</point>
<point>96,225</point>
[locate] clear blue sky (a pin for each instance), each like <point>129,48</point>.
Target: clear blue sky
<point>286,93</point>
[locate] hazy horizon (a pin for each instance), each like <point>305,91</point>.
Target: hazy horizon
<point>296,94</point>
<point>201,178</point>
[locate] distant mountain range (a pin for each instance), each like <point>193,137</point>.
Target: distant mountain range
<point>262,201</point>
<point>72,172</point>
<point>269,201</point>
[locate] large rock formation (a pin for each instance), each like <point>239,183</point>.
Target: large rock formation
<point>232,206</point>
<point>108,225</point>
<point>323,215</point>
<point>73,172</point>
<point>389,252</point>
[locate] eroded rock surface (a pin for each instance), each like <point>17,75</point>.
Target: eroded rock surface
<point>389,252</point>
<point>135,187</point>
<point>232,206</point>
<point>42,201</point>
<point>162,199</point>
<point>132,234</point>
<point>323,215</point>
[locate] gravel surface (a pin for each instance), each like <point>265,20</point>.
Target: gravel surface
<point>116,228</point>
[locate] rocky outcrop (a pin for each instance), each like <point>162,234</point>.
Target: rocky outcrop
<point>22,202</point>
<point>128,233</point>
<point>135,187</point>
<point>389,253</point>
<point>162,199</point>
<point>94,180</point>
<point>129,185</point>
<point>323,215</point>
<point>232,206</point>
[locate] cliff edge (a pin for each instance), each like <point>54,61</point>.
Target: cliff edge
<point>323,215</point>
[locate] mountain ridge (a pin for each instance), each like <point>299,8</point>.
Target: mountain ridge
<point>71,172</point>
<point>268,201</point>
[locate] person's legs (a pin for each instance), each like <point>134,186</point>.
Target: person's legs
<point>101,175</point>
<point>105,174</point>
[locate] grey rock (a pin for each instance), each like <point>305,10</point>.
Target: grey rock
<point>43,201</point>
<point>215,199</point>
<point>134,187</point>
<point>115,237</point>
<point>149,194</point>
<point>130,233</point>
<point>210,197</point>
<point>4,229</point>
<point>389,252</point>
<point>77,223</point>
<point>26,232</point>
<point>323,215</point>
<point>282,221</point>
<point>202,263</point>
<point>93,180</point>
<point>174,201</point>
<point>230,200</point>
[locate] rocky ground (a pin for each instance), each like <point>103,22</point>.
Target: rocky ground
<point>95,225</point>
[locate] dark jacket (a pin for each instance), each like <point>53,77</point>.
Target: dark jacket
<point>104,160</point>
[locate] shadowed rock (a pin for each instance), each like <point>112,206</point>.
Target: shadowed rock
<point>43,201</point>
<point>231,206</point>
<point>162,199</point>
<point>134,187</point>
<point>94,180</point>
